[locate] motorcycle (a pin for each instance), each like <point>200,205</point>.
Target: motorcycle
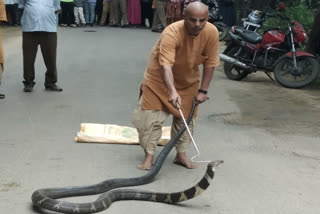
<point>275,51</point>
<point>216,19</point>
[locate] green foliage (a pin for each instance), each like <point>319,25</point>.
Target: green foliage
<point>297,10</point>
<point>301,13</point>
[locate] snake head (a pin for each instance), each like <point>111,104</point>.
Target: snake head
<point>214,164</point>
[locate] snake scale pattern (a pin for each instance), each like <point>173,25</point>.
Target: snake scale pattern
<point>48,198</point>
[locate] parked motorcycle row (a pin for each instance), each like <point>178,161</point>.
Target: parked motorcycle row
<point>274,51</point>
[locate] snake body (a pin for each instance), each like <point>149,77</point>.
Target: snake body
<point>106,199</point>
<point>47,198</point>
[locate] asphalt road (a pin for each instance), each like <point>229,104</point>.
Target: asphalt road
<point>268,136</point>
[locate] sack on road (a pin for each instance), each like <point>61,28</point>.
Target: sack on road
<point>114,134</point>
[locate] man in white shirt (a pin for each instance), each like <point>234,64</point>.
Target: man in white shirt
<point>39,27</point>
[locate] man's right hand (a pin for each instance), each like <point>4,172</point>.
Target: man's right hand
<point>175,99</point>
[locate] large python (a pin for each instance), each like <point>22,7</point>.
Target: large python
<point>47,198</point>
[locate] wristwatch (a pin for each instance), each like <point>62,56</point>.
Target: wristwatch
<point>203,91</point>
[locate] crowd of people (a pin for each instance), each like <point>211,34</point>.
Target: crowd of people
<point>154,14</point>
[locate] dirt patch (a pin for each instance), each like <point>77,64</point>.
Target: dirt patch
<point>266,105</point>
<point>9,186</point>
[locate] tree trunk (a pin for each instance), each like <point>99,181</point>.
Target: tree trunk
<point>314,41</point>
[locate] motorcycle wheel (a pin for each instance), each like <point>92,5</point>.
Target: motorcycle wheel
<point>223,33</point>
<point>231,71</point>
<point>306,73</point>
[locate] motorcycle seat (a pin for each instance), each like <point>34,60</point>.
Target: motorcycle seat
<point>248,35</point>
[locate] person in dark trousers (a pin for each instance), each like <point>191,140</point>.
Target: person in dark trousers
<point>146,12</point>
<point>98,11</point>
<point>119,9</point>
<point>12,11</point>
<point>67,16</point>
<point>106,12</point>
<point>39,27</point>
<point>90,11</point>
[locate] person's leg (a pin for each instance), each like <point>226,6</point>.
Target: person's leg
<point>30,43</point>
<point>1,71</point>
<point>64,10</point>
<point>150,14</point>
<point>48,47</point>
<point>81,15</point>
<point>86,12</point>
<point>70,14</point>
<point>183,142</point>
<point>76,15</point>
<point>116,13</point>
<point>109,12</point>
<point>11,14</point>
<point>149,126</point>
<point>2,96</point>
<point>156,21</point>
<point>144,6</point>
<point>14,15</point>
<point>92,13</point>
<point>18,15</point>
<point>98,11</point>
<point>161,10</point>
<point>123,8</point>
<point>104,13</point>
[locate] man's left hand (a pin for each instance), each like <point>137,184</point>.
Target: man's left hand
<point>201,97</point>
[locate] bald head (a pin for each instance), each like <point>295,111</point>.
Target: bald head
<point>196,17</point>
<point>196,8</point>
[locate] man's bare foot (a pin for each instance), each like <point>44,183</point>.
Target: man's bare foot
<point>147,163</point>
<point>181,159</point>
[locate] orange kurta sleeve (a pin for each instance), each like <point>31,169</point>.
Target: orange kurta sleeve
<point>167,48</point>
<point>212,49</point>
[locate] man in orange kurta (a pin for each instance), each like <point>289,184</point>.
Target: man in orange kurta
<point>172,80</point>
<point>3,17</point>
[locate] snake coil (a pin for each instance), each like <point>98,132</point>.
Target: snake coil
<point>47,198</point>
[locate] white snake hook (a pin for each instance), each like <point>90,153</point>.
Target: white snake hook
<point>193,142</point>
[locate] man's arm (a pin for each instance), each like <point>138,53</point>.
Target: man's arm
<point>167,53</point>
<point>167,77</point>
<point>56,5</point>
<point>205,83</point>
<point>212,51</point>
